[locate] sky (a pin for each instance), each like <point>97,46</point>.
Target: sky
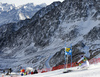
<point>21,2</point>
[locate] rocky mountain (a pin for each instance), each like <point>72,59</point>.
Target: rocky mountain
<point>10,13</point>
<point>40,42</point>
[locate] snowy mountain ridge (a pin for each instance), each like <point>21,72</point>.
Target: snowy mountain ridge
<point>6,7</point>
<point>40,42</point>
<point>9,13</point>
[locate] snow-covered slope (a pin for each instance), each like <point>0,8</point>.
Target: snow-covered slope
<point>40,42</point>
<point>93,71</point>
<point>9,13</point>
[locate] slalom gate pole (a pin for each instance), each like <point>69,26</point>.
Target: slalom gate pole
<point>71,60</point>
<point>67,62</point>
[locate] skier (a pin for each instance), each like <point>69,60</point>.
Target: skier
<point>83,62</point>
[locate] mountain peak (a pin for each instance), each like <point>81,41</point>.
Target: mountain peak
<point>9,13</point>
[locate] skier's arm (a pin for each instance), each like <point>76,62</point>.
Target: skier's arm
<point>80,59</point>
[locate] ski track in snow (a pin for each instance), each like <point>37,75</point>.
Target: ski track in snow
<point>47,62</point>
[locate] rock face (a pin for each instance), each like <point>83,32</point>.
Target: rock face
<point>32,42</point>
<point>9,13</point>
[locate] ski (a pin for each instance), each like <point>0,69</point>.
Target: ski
<point>67,71</point>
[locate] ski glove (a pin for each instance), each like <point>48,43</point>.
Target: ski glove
<point>76,63</point>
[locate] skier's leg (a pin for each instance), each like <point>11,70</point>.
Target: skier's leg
<point>85,65</point>
<point>79,66</point>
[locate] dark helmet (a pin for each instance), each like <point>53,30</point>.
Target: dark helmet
<point>81,55</point>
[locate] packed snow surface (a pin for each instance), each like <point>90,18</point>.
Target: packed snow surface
<point>93,71</point>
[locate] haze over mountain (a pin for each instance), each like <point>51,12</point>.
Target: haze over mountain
<point>39,42</point>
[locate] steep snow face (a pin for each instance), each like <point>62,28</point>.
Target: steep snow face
<point>9,13</point>
<point>40,42</point>
<point>79,25</point>
<point>21,16</point>
<point>20,37</point>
